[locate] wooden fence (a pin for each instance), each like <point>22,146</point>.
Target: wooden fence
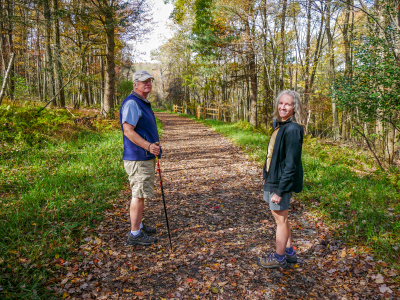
<point>178,109</point>
<point>203,112</point>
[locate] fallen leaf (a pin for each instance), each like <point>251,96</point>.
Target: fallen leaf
<point>214,290</point>
<point>384,289</point>
<point>138,293</point>
<point>222,283</point>
<point>379,278</point>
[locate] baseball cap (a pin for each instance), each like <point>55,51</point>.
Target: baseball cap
<point>141,76</point>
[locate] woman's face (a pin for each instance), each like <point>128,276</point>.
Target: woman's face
<point>286,107</point>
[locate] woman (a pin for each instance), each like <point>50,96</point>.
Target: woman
<point>283,174</point>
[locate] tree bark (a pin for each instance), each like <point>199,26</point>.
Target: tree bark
<point>4,85</point>
<point>109,88</point>
<point>251,57</point>
<point>2,41</point>
<point>331,54</point>
<point>307,66</point>
<point>284,5</point>
<point>11,90</point>
<point>49,58</point>
<point>58,78</point>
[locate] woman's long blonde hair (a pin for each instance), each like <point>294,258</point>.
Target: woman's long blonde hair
<point>298,112</point>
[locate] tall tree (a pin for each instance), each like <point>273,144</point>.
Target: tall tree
<point>58,78</point>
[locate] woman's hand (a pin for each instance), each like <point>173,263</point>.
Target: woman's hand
<point>276,199</point>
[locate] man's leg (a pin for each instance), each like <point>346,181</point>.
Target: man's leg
<point>136,212</point>
<point>283,231</point>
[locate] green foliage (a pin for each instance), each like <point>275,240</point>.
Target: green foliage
<point>124,88</point>
<point>375,84</point>
<point>207,33</point>
<point>23,126</point>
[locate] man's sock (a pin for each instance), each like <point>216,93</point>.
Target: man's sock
<point>141,225</point>
<point>289,251</point>
<point>135,232</point>
<point>279,257</point>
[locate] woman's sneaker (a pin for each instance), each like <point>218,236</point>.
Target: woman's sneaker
<point>291,258</point>
<point>141,239</point>
<point>271,262</point>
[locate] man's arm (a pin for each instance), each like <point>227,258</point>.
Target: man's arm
<point>134,137</point>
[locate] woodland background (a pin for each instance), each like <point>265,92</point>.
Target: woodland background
<point>77,58</point>
<point>341,56</point>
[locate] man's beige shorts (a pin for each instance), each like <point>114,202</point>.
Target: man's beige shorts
<point>141,177</point>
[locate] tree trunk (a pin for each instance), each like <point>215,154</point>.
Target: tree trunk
<point>2,41</point>
<point>251,57</point>
<point>38,61</point>
<point>391,137</point>
<point>58,78</point>
<point>11,90</point>
<point>307,66</point>
<point>109,88</point>
<point>4,85</point>
<point>331,54</point>
<point>49,58</point>
<point>284,4</point>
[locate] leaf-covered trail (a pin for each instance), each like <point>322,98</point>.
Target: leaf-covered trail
<point>219,226</point>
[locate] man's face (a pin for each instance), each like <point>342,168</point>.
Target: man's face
<point>143,87</point>
<point>286,106</point>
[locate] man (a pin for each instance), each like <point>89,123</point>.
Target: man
<point>283,174</point>
<point>140,135</point>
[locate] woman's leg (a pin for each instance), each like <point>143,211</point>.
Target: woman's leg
<point>283,231</point>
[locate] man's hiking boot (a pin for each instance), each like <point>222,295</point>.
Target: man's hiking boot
<point>271,262</point>
<point>142,239</point>
<point>149,230</point>
<point>292,258</point>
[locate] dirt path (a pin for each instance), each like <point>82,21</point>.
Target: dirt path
<point>219,225</point>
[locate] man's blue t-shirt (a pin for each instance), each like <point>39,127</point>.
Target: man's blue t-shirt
<point>131,113</point>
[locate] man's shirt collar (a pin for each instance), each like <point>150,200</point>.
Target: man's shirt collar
<point>140,97</point>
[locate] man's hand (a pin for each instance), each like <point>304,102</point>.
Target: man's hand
<point>276,199</point>
<point>155,149</point>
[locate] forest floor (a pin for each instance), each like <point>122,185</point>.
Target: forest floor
<point>219,226</point>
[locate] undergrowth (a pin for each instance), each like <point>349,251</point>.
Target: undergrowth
<point>56,179</point>
<point>341,185</point>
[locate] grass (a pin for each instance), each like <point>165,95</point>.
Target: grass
<point>340,186</point>
<point>57,179</point>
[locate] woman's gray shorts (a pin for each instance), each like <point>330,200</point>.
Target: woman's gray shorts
<point>283,205</point>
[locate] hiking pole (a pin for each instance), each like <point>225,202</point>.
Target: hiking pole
<point>162,193</point>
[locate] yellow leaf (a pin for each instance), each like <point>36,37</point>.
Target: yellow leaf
<point>57,256</point>
<point>110,252</point>
<point>343,254</point>
<point>98,241</point>
<point>65,295</point>
<point>34,224</point>
<point>126,291</point>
